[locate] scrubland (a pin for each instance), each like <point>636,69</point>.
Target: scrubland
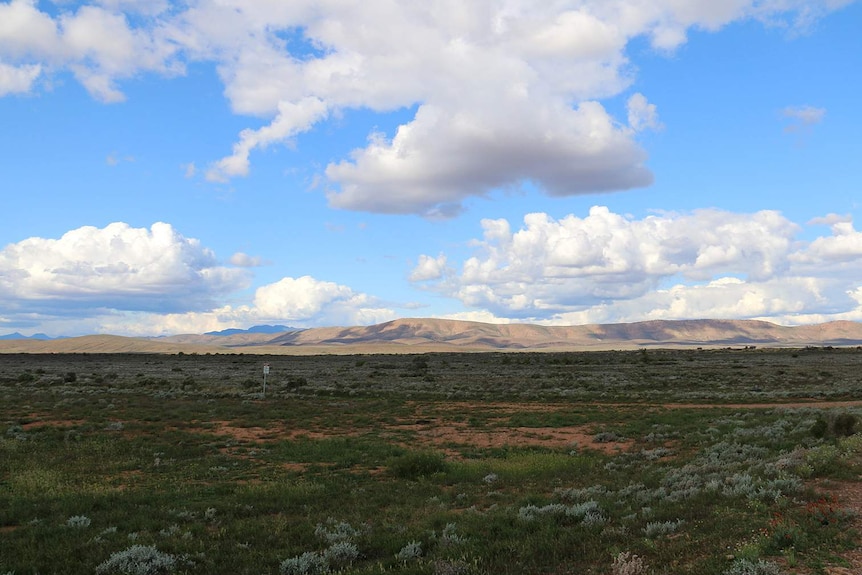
<point>725,462</point>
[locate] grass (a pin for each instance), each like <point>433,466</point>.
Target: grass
<point>129,466</point>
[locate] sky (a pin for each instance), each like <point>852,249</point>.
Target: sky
<point>182,167</point>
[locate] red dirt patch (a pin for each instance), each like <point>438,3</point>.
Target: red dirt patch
<point>436,433</point>
<point>52,423</point>
<point>439,433</point>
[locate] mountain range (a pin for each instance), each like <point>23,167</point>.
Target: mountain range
<point>419,335</point>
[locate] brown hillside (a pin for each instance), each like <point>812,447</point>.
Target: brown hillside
<point>424,335</point>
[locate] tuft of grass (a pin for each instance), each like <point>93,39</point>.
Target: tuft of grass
<point>417,464</point>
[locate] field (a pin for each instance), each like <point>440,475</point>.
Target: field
<point>725,462</point>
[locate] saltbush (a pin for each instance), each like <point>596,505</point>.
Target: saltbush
<point>138,560</point>
<point>341,554</point>
<point>335,531</point>
<point>749,567</point>
<point>309,563</point>
<point>409,552</point>
<point>78,521</point>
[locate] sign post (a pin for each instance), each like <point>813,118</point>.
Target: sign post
<point>265,373</point>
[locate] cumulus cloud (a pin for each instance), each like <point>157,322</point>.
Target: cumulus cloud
<point>17,79</point>
<point>504,92</point>
<point>844,246</point>
<point>608,267</point>
<point>308,300</point>
<point>115,267</point>
<point>140,281</point>
<point>429,268</point>
<point>96,43</point>
<point>436,161</point>
<point>298,302</point>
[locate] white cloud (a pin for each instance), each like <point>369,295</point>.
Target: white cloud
<point>830,220</point>
<point>96,43</point>
<point>505,92</point>
<point>116,267</point>
<point>429,268</point>
<point>436,161</point>
<point>802,117</point>
<point>291,120</point>
<point>298,302</point>
<point>17,79</point>
<point>642,114</point>
<point>308,300</point>
<point>607,267</point>
<point>138,281</point>
<point>844,247</point>
<point>243,260</point>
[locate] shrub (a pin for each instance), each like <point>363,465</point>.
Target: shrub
<point>656,528</point>
<point>341,554</point>
<point>819,428</point>
<point>417,464</point>
<point>749,567</point>
<point>138,560</point>
<point>335,531</point>
<point>78,521</point>
<point>409,552</point>
<point>627,564</point>
<point>844,424</point>
<point>309,563</point>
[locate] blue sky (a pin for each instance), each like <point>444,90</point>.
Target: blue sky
<point>179,167</point>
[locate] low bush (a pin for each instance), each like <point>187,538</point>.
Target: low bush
<point>138,560</point>
<point>417,464</point>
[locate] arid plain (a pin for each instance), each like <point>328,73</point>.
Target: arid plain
<point>724,458</point>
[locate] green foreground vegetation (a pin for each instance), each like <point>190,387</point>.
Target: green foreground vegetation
<point>622,463</point>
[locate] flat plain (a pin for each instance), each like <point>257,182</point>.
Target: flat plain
<point>724,461</point>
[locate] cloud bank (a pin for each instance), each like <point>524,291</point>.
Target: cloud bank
<point>606,267</point>
<point>505,92</point>
<point>600,268</point>
<point>140,281</point>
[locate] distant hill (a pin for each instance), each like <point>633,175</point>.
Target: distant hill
<point>16,335</point>
<point>419,335</point>
<point>254,329</point>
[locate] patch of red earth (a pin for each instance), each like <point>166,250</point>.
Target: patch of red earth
<point>52,423</point>
<point>437,434</point>
<point>258,434</point>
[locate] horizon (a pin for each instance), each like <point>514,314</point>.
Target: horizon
<point>183,168</point>
<point>289,329</point>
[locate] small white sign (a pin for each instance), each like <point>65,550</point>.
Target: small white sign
<point>266,369</point>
